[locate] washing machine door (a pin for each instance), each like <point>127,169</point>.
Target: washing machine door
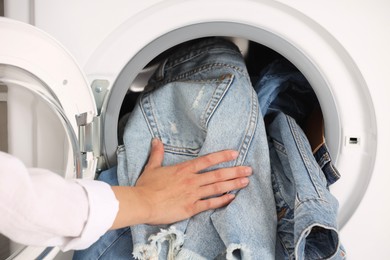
<point>44,83</point>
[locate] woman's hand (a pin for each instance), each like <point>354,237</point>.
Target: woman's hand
<point>164,195</point>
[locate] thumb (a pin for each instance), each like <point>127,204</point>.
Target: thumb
<point>156,155</point>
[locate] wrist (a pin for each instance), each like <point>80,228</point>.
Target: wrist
<point>133,209</point>
<point>142,205</point>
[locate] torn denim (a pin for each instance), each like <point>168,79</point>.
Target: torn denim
<point>200,101</point>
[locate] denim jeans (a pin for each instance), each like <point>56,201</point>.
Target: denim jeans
<point>115,244</point>
<point>307,211</point>
<point>324,160</point>
<point>282,87</point>
<point>199,101</point>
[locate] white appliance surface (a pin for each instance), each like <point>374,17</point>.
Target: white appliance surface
<point>345,42</point>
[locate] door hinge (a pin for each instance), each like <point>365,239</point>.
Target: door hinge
<point>90,144</point>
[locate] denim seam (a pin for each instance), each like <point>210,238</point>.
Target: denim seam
<point>186,151</point>
<point>250,130</point>
<point>151,122</point>
<point>285,248</point>
<point>280,196</point>
<point>203,68</point>
<point>301,202</point>
<point>324,159</point>
<point>206,46</point>
<point>183,59</point>
<point>302,153</point>
<point>216,99</point>
<point>289,215</point>
<point>145,106</point>
<point>279,146</point>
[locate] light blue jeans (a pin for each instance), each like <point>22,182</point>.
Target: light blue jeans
<point>307,211</point>
<point>200,101</point>
<point>282,87</point>
<point>306,228</point>
<point>324,160</point>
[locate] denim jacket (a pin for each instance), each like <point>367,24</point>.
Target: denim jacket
<point>199,101</point>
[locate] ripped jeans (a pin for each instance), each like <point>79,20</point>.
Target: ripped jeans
<point>200,100</point>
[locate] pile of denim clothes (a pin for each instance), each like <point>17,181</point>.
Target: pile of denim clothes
<point>200,100</point>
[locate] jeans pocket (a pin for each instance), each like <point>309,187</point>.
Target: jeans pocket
<point>178,112</point>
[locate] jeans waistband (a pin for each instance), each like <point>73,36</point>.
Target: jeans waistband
<point>178,65</point>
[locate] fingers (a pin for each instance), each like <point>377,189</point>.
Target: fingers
<point>223,187</point>
<point>219,182</point>
<point>217,189</point>
<point>223,174</point>
<point>213,203</point>
<point>211,159</point>
<point>156,155</point>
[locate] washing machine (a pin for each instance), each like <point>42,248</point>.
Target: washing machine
<point>69,65</point>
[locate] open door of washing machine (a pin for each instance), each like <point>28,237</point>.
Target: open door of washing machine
<point>37,69</point>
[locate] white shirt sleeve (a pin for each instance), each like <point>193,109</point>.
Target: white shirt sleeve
<point>40,208</point>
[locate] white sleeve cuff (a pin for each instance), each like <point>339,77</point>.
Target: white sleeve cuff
<point>103,208</point>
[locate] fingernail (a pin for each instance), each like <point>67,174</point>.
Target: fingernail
<point>234,154</point>
<point>244,181</point>
<point>231,196</point>
<point>248,170</point>
<point>154,141</point>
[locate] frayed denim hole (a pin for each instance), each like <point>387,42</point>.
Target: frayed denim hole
<point>237,254</point>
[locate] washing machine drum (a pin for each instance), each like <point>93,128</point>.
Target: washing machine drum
<point>333,74</point>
